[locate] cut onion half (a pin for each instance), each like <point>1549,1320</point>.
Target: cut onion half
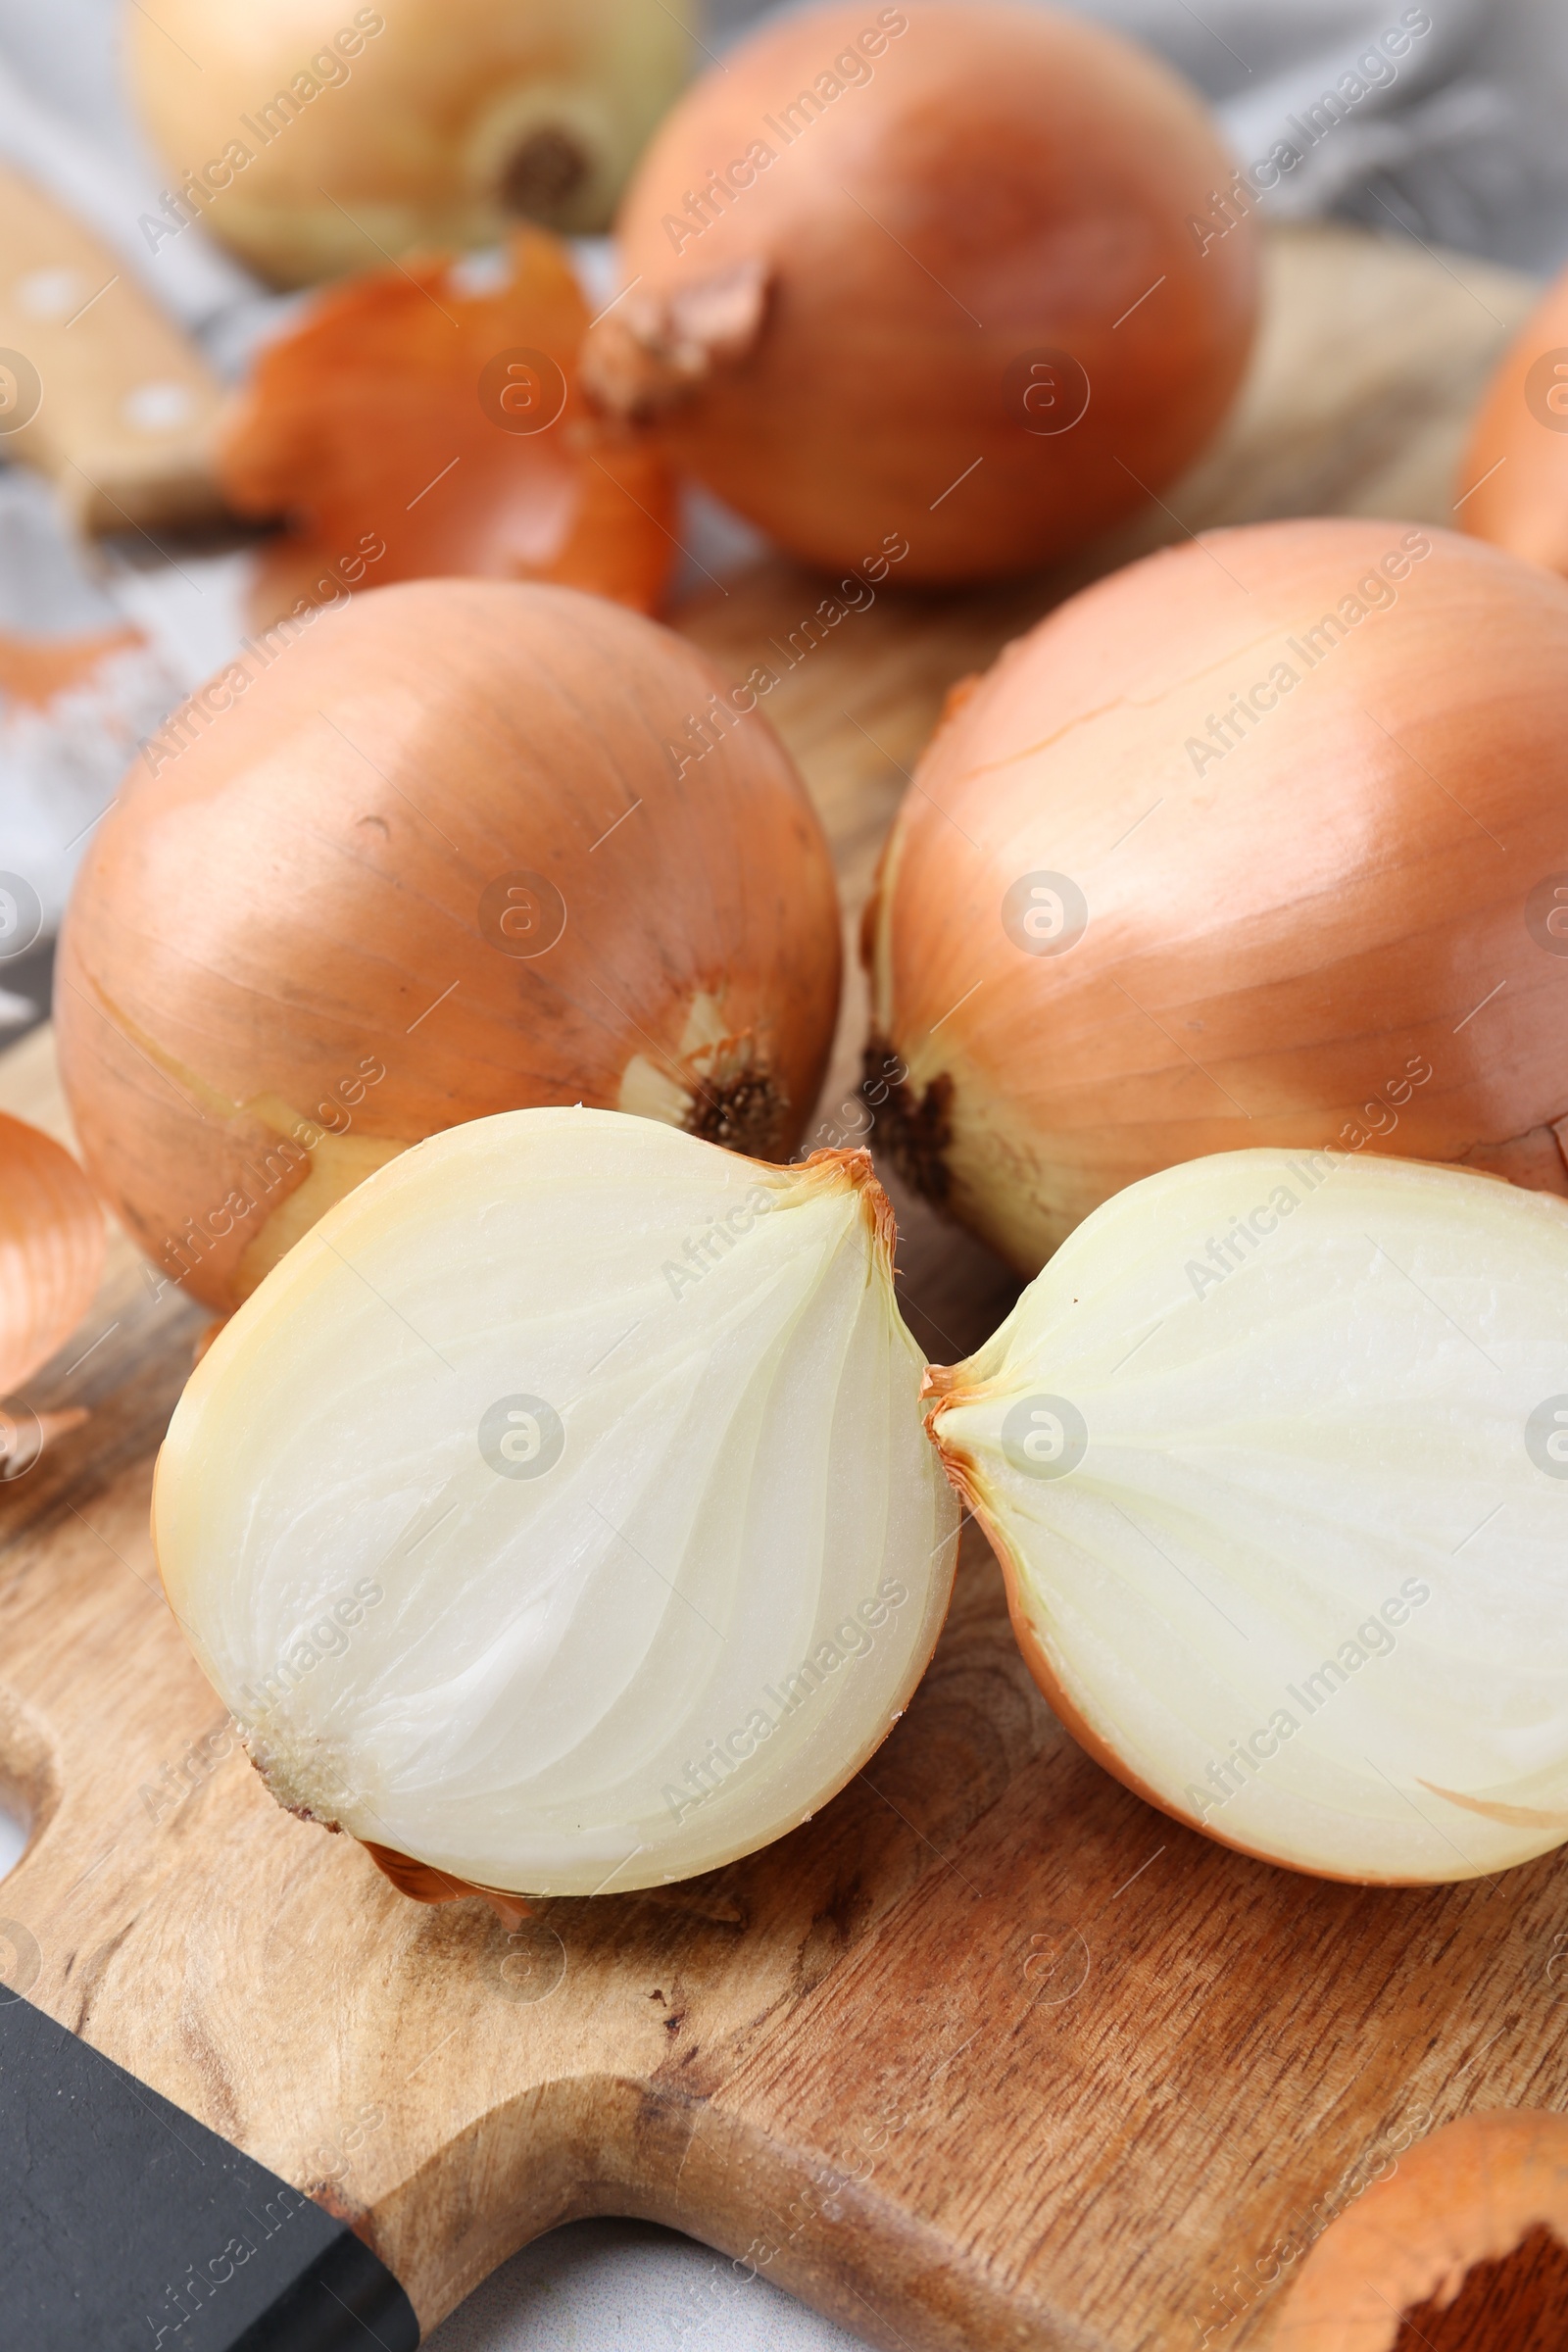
<point>1274,1454</point>
<point>558,1513</point>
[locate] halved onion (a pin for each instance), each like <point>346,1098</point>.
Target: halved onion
<point>558,1514</point>
<point>1274,1455</point>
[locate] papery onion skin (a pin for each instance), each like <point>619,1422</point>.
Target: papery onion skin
<point>1288,941</point>
<point>292,953</point>
<point>1398,2265</point>
<point>1511,485</point>
<point>853,328</point>
<point>444,484</point>
<point>52,1249</point>
<point>691,1599</point>
<point>433,122</point>
<point>1228,1449</point>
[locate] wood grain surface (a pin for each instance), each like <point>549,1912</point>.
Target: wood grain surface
<point>989,2054</point>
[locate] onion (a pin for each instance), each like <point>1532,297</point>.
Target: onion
<point>558,1515</point>
<point>1459,2245</point>
<point>938,273</point>
<point>451,849</point>
<point>517,483</point>
<point>1512,482</point>
<point>52,1249</point>
<point>310,144</point>
<point>1274,1455</point>
<point>1260,841</point>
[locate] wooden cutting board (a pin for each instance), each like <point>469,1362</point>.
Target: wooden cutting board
<point>989,2054</point>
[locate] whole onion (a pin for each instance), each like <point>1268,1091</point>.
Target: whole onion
<point>940,271</point>
<point>312,141</point>
<point>451,849</point>
<point>1262,841</point>
<point>1512,482</point>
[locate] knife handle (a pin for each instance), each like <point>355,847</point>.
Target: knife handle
<point>98,389</point>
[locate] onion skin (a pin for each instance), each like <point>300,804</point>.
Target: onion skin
<point>1512,482</point>
<point>1397,2266</point>
<point>1277,947</point>
<point>442,486</point>
<point>52,1248</point>
<point>433,122</point>
<point>1040,176</point>
<point>293,905</point>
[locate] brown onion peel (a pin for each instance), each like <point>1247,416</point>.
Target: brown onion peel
<point>875,260</point>
<point>1512,485</point>
<point>421,422</point>
<point>1334,929</point>
<point>1461,2246</point>
<point>305,943</point>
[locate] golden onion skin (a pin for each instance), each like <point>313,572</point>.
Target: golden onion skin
<point>434,858</point>
<point>1331,920</point>
<point>990,225</point>
<point>1511,485</point>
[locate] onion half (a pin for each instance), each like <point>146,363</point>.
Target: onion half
<point>1274,1455</point>
<point>451,849</point>
<point>1512,482</point>
<point>1263,840</point>
<point>930,273</point>
<point>559,1515</point>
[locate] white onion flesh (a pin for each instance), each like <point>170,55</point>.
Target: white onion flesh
<point>669,1645</point>
<point>1302,1573</point>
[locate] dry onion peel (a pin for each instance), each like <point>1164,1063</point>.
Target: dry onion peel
<point>558,1515</point>
<point>52,1248</point>
<point>1461,2246</point>
<point>1260,841</point>
<point>483,461</point>
<point>1274,1455</point>
<point>929,271</point>
<point>435,862</point>
<point>1512,482</point>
